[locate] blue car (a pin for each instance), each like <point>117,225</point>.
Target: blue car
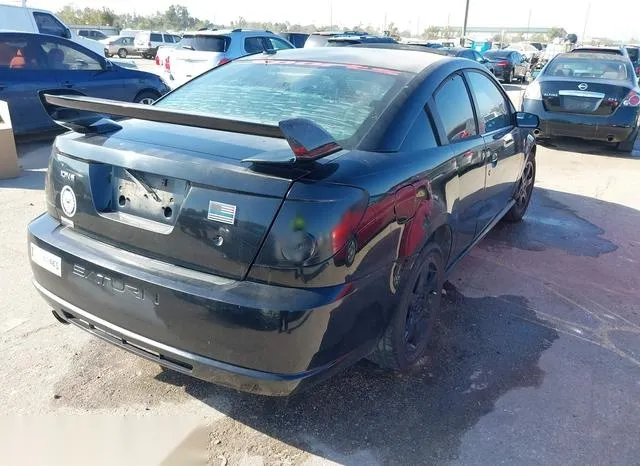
<point>30,63</point>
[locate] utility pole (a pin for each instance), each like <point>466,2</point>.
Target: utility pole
<point>586,20</point>
<point>466,16</point>
<point>529,24</point>
<point>331,15</point>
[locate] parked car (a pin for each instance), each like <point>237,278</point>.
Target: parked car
<point>121,46</point>
<point>538,45</point>
<point>589,96</point>
<point>30,63</point>
<point>525,49</point>
<point>320,39</point>
<point>147,42</point>
<point>200,51</point>
<point>634,55</point>
<point>508,65</point>
<point>463,52</point>
<point>93,34</point>
<point>22,19</point>
<point>342,41</point>
<point>297,39</point>
<point>308,222</point>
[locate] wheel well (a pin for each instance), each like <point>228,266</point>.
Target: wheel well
<point>149,90</point>
<point>443,237</point>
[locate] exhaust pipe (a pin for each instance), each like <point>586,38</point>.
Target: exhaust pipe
<point>60,317</point>
<point>610,138</point>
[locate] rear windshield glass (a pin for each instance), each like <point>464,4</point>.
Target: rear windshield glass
<point>205,43</point>
<point>597,69</point>
<point>317,41</point>
<point>344,99</point>
<point>497,54</point>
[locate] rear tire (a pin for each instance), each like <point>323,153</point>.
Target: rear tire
<point>523,193</point>
<point>628,144</point>
<point>146,97</point>
<point>122,53</point>
<point>406,338</point>
<point>509,78</point>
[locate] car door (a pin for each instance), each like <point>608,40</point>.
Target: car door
<point>77,68</point>
<point>457,128</point>
<point>504,154</point>
<point>23,74</point>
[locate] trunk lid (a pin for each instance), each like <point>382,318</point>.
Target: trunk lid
<point>187,201</point>
<point>575,96</point>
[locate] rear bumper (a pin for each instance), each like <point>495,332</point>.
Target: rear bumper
<point>249,336</point>
<point>613,128</point>
<point>146,50</point>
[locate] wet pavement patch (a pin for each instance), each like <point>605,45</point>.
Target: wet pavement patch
<point>550,224</point>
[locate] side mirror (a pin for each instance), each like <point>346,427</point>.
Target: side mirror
<point>527,120</point>
<point>107,65</point>
<point>67,33</point>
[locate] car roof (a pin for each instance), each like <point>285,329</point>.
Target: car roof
<point>226,32</point>
<point>592,55</point>
<point>413,61</point>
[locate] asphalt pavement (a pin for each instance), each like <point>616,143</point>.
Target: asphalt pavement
<point>536,358</point>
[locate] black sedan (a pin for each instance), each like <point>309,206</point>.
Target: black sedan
<point>282,216</point>
<point>30,63</point>
<point>587,95</point>
<point>507,65</point>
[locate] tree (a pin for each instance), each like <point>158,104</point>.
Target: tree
<point>392,31</point>
<point>432,32</point>
<point>556,32</point>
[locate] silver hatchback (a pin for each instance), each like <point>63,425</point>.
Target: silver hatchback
<point>121,46</point>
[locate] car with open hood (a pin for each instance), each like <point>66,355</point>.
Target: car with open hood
<point>279,217</point>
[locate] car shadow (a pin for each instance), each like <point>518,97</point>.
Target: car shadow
<point>597,148</point>
<point>483,348</point>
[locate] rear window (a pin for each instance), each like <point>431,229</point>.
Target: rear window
<point>316,41</point>
<point>205,43</point>
<point>497,54</point>
<point>595,69</point>
<point>275,90</point>
<point>598,50</point>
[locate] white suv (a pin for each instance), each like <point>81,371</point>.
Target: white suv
<point>200,51</point>
<point>147,42</point>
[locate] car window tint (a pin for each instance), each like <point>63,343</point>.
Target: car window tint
<point>205,43</point>
<point>595,68</point>
<point>277,44</point>
<point>63,57</point>
<point>421,135</point>
<point>253,45</point>
<point>168,38</point>
<point>270,92</point>
<point>20,53</point>
<point>155,37</point>
<point>48,24</point>
<point>493,109</point>
<point>454,108</point>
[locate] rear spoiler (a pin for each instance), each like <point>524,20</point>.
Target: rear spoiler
<point>86,115</point>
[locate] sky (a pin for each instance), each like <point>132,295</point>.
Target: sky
<point>617,19</point>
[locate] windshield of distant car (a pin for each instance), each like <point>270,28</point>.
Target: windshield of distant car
<point>344,99</point>
<point>204,43</point>
<point>587,68</point>
<point>501,54</point>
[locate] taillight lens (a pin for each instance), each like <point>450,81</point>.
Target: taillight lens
<point>533,91</point>
<point>316,223</point>
<point>631,100</point>
<point>157,60</point>
<point>503,63</point>
<point>167,63</point>
<point>223,61</point>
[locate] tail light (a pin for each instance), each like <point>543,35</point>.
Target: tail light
<point>638,70</point>
<point>533,91</point>
<point>503,63</point>
<point>167,63</point>
<point>223,61</point>
<point>157,59</point>
<point>316,223</point>
<point>631,100</point>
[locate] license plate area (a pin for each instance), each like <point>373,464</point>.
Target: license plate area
<point>580,104</point>
<point>148,196</point>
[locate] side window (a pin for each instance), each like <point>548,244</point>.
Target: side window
<point>21,53</point>
<point>253,45</point>
<point>62,57</point>
<point>477,57</point>
<point>421,135</point>
<point>155,37</point>
<point>455,111</point>
<point>48,24</point>
<point>168,38</point>
<point>276,44</point>
<point>494,111</point>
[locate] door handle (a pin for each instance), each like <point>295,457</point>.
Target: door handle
<point>67,84</point>
<point>3,87</point>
